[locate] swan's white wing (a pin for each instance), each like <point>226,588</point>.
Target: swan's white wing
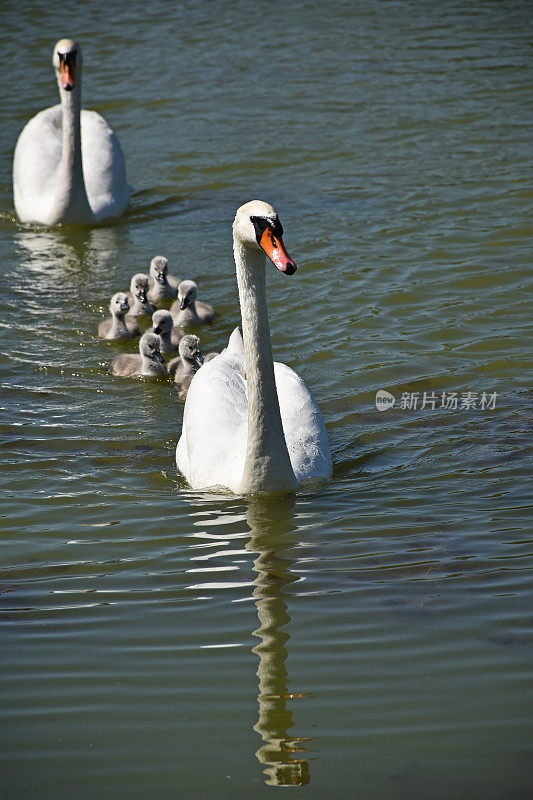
<point>303,426</point>
<point>36,165</point>
<point>37,161</point>
<point>212,447</point>
<point>104,171</point>
<point>235,342</point>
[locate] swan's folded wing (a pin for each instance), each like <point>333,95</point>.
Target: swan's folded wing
<point>104,170</point>
<point>303,426</point>
<point>212,447</point>
<point>36,165</point>
<point>235,342</point>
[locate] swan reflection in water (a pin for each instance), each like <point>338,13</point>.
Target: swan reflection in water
<point>270,521</point>
<point>71,252</point>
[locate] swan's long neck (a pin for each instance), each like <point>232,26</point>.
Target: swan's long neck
<point>138,307</point>
<point>267,464</point>
<point>71,203</point>
<point>193,312</point>
<point>188,367</point>
<point>118,326</point>
<point>158,291</point>
<point>150,367</point>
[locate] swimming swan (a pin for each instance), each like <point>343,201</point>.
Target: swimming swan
<point>169,335</point>
<point>162,285</point>
<point>137,296</point>
<point>118,325</point>
<point>68,165</point>
<point>187,309</point>
<point>189,361</point>
<point>149,362</point>
<point>238,432</point>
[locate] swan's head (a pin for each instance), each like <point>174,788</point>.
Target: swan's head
<point>67,63</point>
<point>257,225</point>
<point>187,293</point>
<point>159,269</point>
<point>189,349</point>
<point>119,304</point>
<point>139,286</point>
<point>162,322</point>
<point>150,347</point>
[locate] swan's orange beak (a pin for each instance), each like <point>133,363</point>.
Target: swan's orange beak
<point>275,250</point>
<point>67,70</point>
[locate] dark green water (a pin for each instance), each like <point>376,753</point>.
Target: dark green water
<point>371,639</point>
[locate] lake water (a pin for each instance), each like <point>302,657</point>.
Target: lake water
<point>369,639</point>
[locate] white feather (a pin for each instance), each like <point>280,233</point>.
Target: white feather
<point>68,165</point>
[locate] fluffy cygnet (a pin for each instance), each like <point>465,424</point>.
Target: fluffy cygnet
<point>163,325</point>
<point>162,286</point>
<point>118,325</point>
<point>187,309</point>
<point>148,362</point>
<point>137,296</point>
<point>188,362</point>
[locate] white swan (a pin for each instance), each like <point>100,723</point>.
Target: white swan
<point>250,425</point>
<point>68,165</point>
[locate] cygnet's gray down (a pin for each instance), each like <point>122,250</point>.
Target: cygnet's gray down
<point>119,325</point>
<point>149,362</point>
<point>162,286</point>
<point>188,362</point>
<point>187,309</point>
<point>163,325</point>
<point>137,296</point>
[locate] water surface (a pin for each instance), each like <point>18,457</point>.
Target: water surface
<point>371,638</point>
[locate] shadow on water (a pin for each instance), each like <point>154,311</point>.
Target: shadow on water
<point>270,521</point>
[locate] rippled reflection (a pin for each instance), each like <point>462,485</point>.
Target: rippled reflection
<point>66,250</point>
<point>270,521</point>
